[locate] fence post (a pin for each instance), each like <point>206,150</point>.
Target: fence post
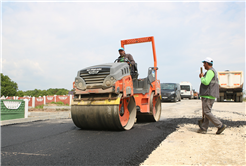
<point>44,100</point>
<point>55,97</point>
<point>33,102</point>
<point>26,108</point>
<point>70,101</point>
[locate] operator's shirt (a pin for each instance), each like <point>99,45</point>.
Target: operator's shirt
<point>129,57</point>
<point>207,80</point>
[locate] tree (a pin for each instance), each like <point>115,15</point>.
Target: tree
<point>8,87</point>
<point>62,92</point>
<point>20,93</point>
<point>49,92</point>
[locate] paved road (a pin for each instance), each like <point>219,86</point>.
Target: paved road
<point>59,142</point>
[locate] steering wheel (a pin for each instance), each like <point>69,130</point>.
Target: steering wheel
<point>125,60</point>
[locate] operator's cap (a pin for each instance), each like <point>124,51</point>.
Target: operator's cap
<point>208,59</point>
<point>121,49</point>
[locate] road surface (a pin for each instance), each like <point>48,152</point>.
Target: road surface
<point>59,142</point>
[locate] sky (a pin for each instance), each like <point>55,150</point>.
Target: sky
<point>44,44</point>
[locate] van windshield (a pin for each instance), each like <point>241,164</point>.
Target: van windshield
<point>168,86</point>
<point>185,87</point>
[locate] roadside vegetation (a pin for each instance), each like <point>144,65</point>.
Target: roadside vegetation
<point>10,88</point>
<point>40,106</point>
<point>59,103</point>
<point>38,92</point>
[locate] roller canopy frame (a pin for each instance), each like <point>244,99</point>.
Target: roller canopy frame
<point>144,40</point>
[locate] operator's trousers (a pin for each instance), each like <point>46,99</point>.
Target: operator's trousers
<point>207,105</point>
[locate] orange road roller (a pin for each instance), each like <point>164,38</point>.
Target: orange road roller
<point>107,97</point>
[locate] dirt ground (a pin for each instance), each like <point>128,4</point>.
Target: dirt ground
<point>187,147</point>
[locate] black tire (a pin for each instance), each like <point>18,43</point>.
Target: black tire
<point>241,99</point>
<point>237,98</point>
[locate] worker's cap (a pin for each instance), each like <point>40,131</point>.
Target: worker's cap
<point>121,49</point>
<point>208,59</point>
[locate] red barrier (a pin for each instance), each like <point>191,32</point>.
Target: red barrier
<point>64,99</point>
<point>39,101</point>
<point>50,99</point>
<point>9,98</point>
<point>29,100</point>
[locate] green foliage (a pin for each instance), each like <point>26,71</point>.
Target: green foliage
<point>8,87</point>
<point>62,91</point>
<point>49,92</point>
<point>20,93</point>
<point>40,106</point>
<point>58,103</point>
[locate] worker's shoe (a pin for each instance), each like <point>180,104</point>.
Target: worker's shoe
<point>220,130</point>
<point>201,131</point>
<point>200,123</point>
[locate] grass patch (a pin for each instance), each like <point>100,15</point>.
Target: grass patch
<point>63,109</point>
<point>60,103</point>
<point>40,106</point>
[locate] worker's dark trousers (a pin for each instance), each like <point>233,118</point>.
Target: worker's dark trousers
<point>207,105</point>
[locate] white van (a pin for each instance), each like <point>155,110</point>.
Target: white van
<point>186,90</point>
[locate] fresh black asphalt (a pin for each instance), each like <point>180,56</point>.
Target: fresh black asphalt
<point>59,142</point>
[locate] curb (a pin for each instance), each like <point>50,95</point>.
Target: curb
<point>44,116</point>
<point>57,107</point>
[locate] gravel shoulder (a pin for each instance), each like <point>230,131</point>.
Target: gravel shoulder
<point>186,147</point>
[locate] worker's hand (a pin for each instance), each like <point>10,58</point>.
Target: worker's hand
<point>201,75</point>
<point>127,61</point>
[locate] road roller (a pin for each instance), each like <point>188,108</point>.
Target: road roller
<point>107,97</point>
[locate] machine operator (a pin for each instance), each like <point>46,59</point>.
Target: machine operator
<point>123,58</point>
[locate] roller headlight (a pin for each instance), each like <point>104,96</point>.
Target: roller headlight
<point>109,81</point>
<point>80,83</point>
